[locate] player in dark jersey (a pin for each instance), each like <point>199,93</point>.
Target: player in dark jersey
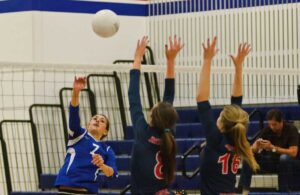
<point>87,156</point>
<point>153,160</point>
<point>226,139</point>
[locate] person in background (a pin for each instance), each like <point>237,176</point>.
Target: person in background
<point>275,150</point>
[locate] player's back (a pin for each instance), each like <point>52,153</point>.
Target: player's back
<point>218,169</point>
<point>146,167</point>
<point>219,163</point>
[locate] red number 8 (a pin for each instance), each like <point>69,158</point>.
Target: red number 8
<point>158,167</point>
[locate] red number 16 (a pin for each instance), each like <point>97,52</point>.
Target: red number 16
<point>224,159</point>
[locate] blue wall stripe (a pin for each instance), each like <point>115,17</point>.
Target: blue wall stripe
<point>72,6</point>
<point>174,7</point>
<point>212,5</point>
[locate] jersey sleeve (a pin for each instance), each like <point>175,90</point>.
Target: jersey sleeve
<point>237,100</point>
<point>136,113</point>
<point>169,91</point>
<point>209,127</point>
<point>75,129</point>
<point>111,160</point>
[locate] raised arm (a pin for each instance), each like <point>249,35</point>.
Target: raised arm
<point>74,120</point>
<point>78,84</point>
<point>171,52</point>
<point>205,113</point>
<point>134,84</point>
<point>237,87</point>
<point>204,81</point>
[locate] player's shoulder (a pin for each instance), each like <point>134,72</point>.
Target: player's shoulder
<point>141,123</point>
<point>106,147</point>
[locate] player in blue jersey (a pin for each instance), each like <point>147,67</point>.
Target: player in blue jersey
<point>87,156</point>
<point>153,160</point>
<point>226,139</point>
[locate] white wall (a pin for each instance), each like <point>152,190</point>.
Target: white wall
<point>55,37</point>
<point>16,37</point>
<point>69,38</point>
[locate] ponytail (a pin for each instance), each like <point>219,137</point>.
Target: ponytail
<point>163,119</point>
<point>242,146</point>
<point>168,156</point>
<point>235,121</point>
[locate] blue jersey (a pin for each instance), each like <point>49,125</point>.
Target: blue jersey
<point>78,170</point>
<point>146,166</point>
<point>219,164</point>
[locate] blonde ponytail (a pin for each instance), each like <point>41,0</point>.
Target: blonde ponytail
<point>242,146</point>
<point>235,121</point>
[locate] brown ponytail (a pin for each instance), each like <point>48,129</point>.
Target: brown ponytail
<point>163,119</point>
<point>168,156</point>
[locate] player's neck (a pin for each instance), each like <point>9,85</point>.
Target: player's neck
<point>95,135</point>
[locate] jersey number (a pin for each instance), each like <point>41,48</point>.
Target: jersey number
<point>92,153</point>
<point>72,152</point>
<point>224,160</point>
<point>158,167</point>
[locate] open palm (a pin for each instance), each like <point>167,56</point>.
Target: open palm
<point>173,48</point>
<point>243,51</point>
<point>79,83</point>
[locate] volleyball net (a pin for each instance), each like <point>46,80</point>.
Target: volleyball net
<point>37,96</point>
<point>26,86</point>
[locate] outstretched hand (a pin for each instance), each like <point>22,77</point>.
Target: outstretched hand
<point>79,83</point>
<point>243,51</point>
<point>173,48</point>
<point>210,49</point>
<point>140,51</point>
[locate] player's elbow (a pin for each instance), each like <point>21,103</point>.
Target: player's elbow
<point>108,171</point>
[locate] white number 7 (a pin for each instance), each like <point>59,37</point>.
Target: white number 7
<point>95,149</point>
<point>92,153</point>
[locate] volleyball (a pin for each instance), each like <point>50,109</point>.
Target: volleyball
<point>105,23</point>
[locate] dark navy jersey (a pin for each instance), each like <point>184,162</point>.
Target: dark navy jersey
<point>146,166</point>
<point>219,164</point>
<point>78,170</point>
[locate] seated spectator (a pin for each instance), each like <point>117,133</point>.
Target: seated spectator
<point>275,151</point>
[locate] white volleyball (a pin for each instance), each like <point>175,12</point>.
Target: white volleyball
<point>105,23</point>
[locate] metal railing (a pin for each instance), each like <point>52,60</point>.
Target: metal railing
<point>20,151</point>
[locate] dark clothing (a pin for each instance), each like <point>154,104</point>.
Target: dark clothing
<point>288,137</point>
<point>283,166</point>
<point>272,162</point>
<point>219,164</point>
<point>146,175</point>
